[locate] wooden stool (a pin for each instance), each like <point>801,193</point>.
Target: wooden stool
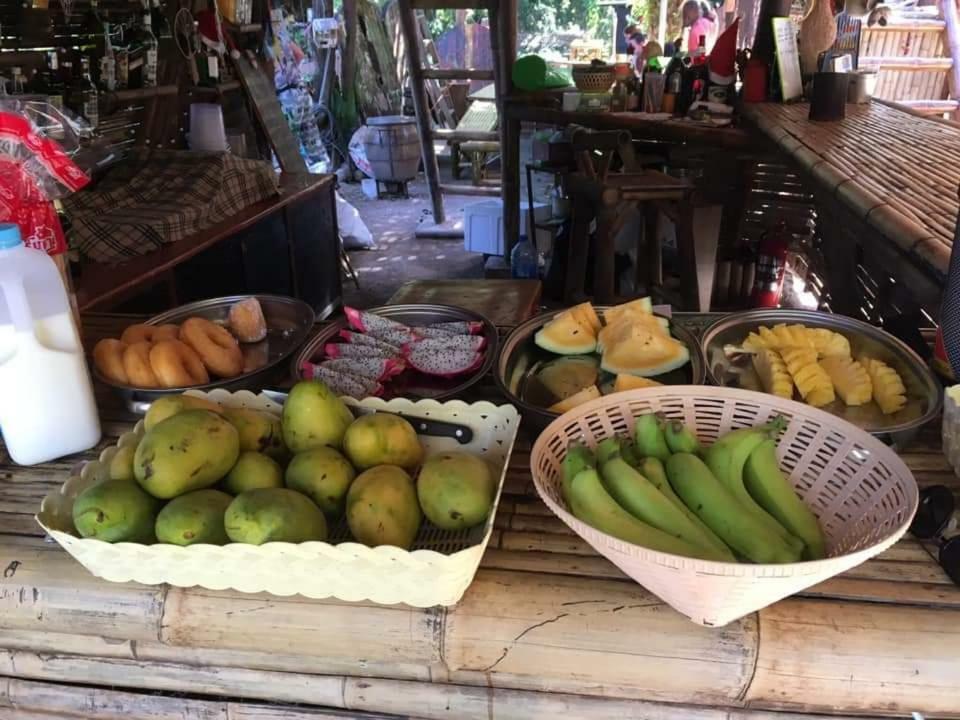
<point>596,192</point>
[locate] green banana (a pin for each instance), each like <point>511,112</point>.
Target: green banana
<point>767,485</point>
<point>639,497</point>
<point>629,453</point>
<point>578,458</point>
<point>608,449</point>
<point>653,470</point>
<point>720,510</point>
<point>648,437</point>
<point>680,438</point>
<point>591,503</point>
<point>726,458</point>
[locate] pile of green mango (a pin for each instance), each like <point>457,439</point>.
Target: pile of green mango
<point>207,474</point>
<point>663,490</point>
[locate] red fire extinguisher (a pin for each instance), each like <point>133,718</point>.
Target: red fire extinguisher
<point>771,261</point>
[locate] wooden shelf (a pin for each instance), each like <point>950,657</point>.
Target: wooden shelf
<point>221,89</point>
<point>143,93</point>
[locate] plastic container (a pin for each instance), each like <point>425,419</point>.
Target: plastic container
<point>47,408</point>
<point>524,261</point>
<point>483,225</point>
<point>860,490</point>
<point>207,132</point>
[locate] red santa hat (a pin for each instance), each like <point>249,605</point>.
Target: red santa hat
<point>721,62</point>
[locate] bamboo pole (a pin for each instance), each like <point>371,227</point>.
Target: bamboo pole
<point>411,35</point>
<point>948,10</point>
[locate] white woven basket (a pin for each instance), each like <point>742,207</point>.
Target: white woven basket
<point>436,572</point>
<point>863,494</point>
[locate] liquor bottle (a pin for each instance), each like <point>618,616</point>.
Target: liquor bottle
<point>159,21</point>
<point>149,51</point>
<point>90,101</point>
<point>108,63</point>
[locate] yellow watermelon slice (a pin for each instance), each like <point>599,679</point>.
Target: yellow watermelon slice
<point>632,382</point>
<point>644,352</point>
<point>640,306</point>
<point>584,396</point>
<point>586,315</point>
<point>565,335</point>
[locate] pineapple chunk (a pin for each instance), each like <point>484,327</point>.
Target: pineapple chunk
<point>793,336</point>
<point>888,388</point>
<point>773,373</point>
<point>849,378</point>
<point>753,341</point>
<point>811,380</point>
<point>829,343</point>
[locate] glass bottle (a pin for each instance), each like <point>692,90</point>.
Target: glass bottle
<point>88,92</point>
<point>149,51</point>
<point>524,260</point>
<point>108,63</point>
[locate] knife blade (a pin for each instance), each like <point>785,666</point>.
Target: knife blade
<point>424,426</point>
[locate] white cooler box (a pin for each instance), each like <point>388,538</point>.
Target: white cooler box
<point>483,226</point>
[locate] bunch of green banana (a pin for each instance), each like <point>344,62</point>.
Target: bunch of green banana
<point>665,491</point>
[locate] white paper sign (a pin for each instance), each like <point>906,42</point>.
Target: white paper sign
<point>788,58</point>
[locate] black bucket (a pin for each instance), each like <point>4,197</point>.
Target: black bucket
<point>828,101</point>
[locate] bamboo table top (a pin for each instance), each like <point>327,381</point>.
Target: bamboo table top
<point>548,627</point>
<point>896,170</point>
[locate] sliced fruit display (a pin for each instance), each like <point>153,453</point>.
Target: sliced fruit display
<point>632,382</point>
<point>640,306</point>
<point>621,328</point>
<point>569,375</point>
<point>811,380</point>
<point>773,373</point>
<point>565,335</point>
<point>850,379</point>
<point>586,315</point>
<point>643,352</point>
<point>888,388</point>
<point>584,396</point>
<point>829,343</point>
<point>443,362</point>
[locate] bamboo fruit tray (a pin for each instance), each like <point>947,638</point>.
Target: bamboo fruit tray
<point>437,571</point>
<point>862,493</point>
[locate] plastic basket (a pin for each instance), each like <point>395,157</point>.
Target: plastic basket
<point>862,493</point>
<point>436,571</point>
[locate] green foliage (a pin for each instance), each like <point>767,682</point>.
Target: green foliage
<point>540,17</point>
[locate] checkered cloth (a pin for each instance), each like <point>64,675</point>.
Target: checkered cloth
<point>160,196</point>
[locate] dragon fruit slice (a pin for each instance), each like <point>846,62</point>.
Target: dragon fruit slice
<point>370,341</point>
<point>474,343</point>
<point>370,367</point>
<point>443,362</point>
<point>346,350</point>
<point>341,383</point>
<point>382,328</point>
<point>457,327</point>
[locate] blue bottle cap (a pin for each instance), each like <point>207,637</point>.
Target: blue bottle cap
<point>9,236</point>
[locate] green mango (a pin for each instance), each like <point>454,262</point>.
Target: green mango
<point>456,490</point>
<point>313,416</point>
<point>382,507</point>
<point>274,515</point>
<point>323,475</point>
<point>170,405</point>
<point>194,518</point>
<point>121,466</point>
<point>253,470</point>
<point>188,451</point>
<point>258,431</point>
<point>115,511</point>
<point>382,439</point>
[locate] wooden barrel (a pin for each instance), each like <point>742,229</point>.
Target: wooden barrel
<point>393,147</point>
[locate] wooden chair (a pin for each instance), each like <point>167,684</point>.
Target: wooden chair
<point>481,116</point>
<point>596,191</point>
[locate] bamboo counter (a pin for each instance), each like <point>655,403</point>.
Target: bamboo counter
<point>548,628</point>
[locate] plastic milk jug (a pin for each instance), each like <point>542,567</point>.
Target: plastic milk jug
<point>47,408</point>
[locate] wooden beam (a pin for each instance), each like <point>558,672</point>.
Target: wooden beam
<point>349,60</point>
<point>951,19</point>
<point>465,135</point>
<point>503,43</point>
<point>411,35</point>
<point>457,74</point>
<point>916,64</point>
<point>486,190</point>
<point>931,107</point>
<point>908,26</point>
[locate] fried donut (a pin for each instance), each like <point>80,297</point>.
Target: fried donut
<point>108,357</point>
<point>149,333</point>
<point>246,321</point>
<point>176,364</point>
<point>136,363</point>
<point>215,345</point>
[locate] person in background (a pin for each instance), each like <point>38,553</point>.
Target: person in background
<point>636,41</point>
<point>706,12</point>
<point>695,25</point>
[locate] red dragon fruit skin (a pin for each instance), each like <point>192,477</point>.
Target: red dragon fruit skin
<point>341,383</point>
<point>358,338</point>
<point>443,362</point>
<point>378,369</point>
<point>474,343</point>
<point>335,351</point>
<point>457,327</point>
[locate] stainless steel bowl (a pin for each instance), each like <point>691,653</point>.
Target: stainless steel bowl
<point>520,358</point>
<point>289,322</point>
<point>924,394</point>
<point>411,384</point>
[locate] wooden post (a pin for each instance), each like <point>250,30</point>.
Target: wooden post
<point>350,60</point>
<point>410,30</point>
<point>948,9</point>
<point>503,40</point>
<point>662,23</point>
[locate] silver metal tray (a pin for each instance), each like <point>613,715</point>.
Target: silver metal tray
<point>520,359</point>
<point>289,322</point>
<point>409,383</point>
<point>924,395</point>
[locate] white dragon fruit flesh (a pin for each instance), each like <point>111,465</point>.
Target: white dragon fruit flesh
<point>444,362</point>
<point>474,343</point>
<point>457,327</point>
<point>373,368</point>
<point>358,338</point>
<point>341,383</point>
<point>390,331</point>
<point>346,350</point>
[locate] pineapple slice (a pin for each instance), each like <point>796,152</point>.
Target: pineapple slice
<point>793,336</point>
<point>888,388</point>
<point>849,378</point>
<point>753,341</point>
<point>773,373</point>
<point>829,343</point>
<point>811,380</point>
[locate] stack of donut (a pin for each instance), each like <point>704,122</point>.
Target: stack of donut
<point>168,356</point>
